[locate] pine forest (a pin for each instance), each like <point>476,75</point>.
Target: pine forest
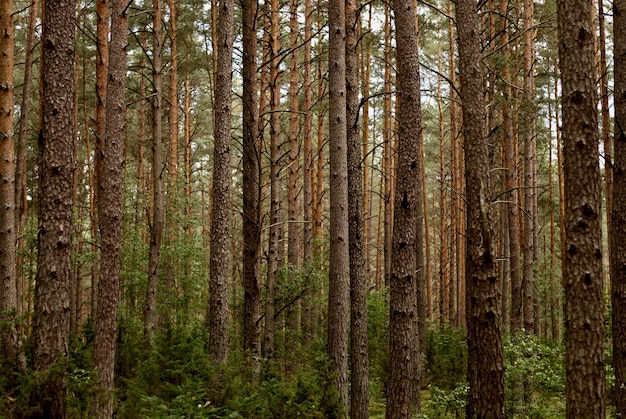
<point>316,208</point>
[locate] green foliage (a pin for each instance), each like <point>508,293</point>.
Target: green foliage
<point>378,341</point>
<point>446,356</point>
<point>535,377</point>
<point>175,379</point>
<point>443,403</point>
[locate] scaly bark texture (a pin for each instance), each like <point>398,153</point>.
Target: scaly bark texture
<point>359,382</point>
<point>110,214</point>
<point>158,211</point>
<point>220,213</point>
<point>251,188</point>
<point>21,201</point>
<point>8,289</point>
<point>51,325</point>
<point>582,271</point>
<point>338,275</point>
<point>618,215</point>
<point>275,229</point>
<point>403,310</point>
<point>485,358</point>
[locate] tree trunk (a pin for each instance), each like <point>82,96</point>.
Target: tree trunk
<point>294,237</point>
<point>8,290</point>
<point>510,181</point>
<point>338,275</point>
<point>21,201</point>
<point>110,214</point>
<point>582,273</point>
<point>387,150</point>
<point>275,228</point>
<point>403,339</point>
<point>56,183</point>
<point>158,211</point>
<point>359,380</point>
<point>102,68</point>
<point>251,188</point>
<point>308,172</point>
<point>169,291</point>
<point>485,357</point>
<point>530,166</point>
<point>618,214</point>
<point>218,290</point>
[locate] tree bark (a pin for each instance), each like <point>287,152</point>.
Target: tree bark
<point>338,275</point>
<point>56,184</point>
<point>102,68</point>
<point>359,380</point>
<point>294,236</point>
<point>8,290</point>
<point>220,214</point>
<point>618,214</point>
<point>158,211</point>
<point>582,273</point>
<point>110,214</point>
<point>387,151</point>
<point>403,333</point>
<point>275,228</point>
<point>21,201</point>
<point>251,188</point>
<point>530,166</point>
<point>485,357</point>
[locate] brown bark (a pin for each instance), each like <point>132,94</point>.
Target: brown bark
<point>618,213</point>
<point>8,290</point>
<point>582,274</point>
<point>338,275</point>
<point>56,184</point>
<point>359,380</point>
<point>485,357</point>
<point>530,166</point>
<point>102,65</point>
<point>21,202</point>
<point>275,228</point>
<point>294,236</point>
<point>444,265</point>
<point>510,181</point>
<point>110,214</point>
<point>308,171</point>
<point>158,211</point>
<point>251,188</point>
<point>220,213</point>
<point>402,396</point>
<point>387,150</point>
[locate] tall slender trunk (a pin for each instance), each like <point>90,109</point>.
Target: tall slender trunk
<point>275,229</point>
<point>485,356</point>
<point>57,164</point>
<point>220,213</point>
<point>387,150</point>
<point>308,171</point>
<point>359,388</point>
<point>618,213</point>
<point>102,69</point>
<point>251,188</point>
<point>582,273</point>
<point>530,166</point>
<point>158,211</point>
<point>9,335</point>
<point>294,236</point>
<point>21,201</point>
<point>338,275</point>
<point>402,397</point>
<point>172,197</point>
<point>110,214</point>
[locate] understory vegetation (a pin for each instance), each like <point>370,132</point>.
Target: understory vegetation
<point>175,379</point>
